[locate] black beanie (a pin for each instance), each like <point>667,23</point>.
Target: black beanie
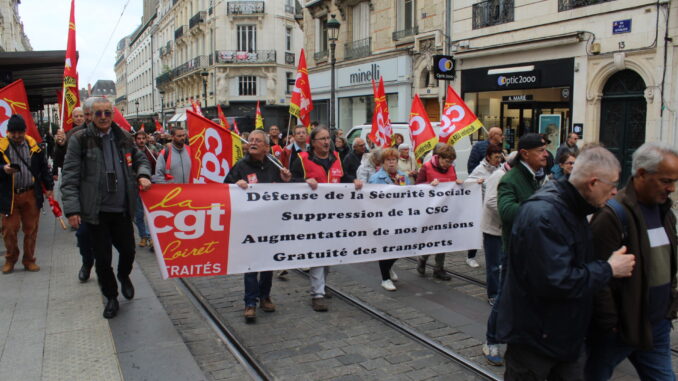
<point>16,124</point>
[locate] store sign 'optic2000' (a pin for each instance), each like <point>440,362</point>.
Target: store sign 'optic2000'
<point>516,80</point>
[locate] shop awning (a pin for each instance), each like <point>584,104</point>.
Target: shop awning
<point>178,117</point>
<point>42,72</point>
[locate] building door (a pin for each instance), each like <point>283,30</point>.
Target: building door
<point>622,121</point>
<point>432,107</point>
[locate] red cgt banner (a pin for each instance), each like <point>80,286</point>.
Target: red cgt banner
<point>192,230</point>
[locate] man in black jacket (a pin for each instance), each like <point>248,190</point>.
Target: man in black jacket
<point>252,169</point>
<point>354,158</point>
<point>547,300</point>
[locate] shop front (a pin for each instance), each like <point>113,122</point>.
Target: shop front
<point>522,98</point>
<point>354,95</point>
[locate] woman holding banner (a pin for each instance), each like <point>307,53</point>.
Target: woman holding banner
<point>389,174</point>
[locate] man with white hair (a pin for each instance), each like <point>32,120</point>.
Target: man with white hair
<point>547,300</point>
<point>407,163</point>
<point>354,158</point>
<point>632,316</point>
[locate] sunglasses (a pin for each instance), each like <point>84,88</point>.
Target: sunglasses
<point>106,113</point>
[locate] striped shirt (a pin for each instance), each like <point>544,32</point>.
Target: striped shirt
<point>23,178</point>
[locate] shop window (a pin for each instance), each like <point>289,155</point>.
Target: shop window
<point>247,85</point>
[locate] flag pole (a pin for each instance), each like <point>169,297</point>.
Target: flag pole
<point>289,122</point>
<point>63,104</point>
<point>268,155</point>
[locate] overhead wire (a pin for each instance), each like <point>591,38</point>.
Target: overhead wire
<point>110,37</point>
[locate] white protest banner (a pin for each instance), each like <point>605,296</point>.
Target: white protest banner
<point>283,226</point>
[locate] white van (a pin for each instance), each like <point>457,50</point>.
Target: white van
<point>463,146</point>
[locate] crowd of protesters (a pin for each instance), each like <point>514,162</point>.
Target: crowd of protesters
<point>580,275</point>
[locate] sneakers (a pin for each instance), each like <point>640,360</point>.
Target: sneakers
<point>319,304</point>
<point>250,314</point>
<point>492,355</point>
<point>393,275</point>
<point>143,242</point>
<point>388,285</point>
<point>267,305</point>
<point>441,274</point>
<point>7,268</point>
<point>472,262</point>
<point>31,267</point>
<point>421,267</point>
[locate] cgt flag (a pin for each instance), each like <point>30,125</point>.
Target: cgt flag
<point>423,136</point>
<point>71,95</point>
<point>214,149</point>
<point>457,120</point>
<point>382,132</point>
<point>301,103</point>
<point>13,100</point>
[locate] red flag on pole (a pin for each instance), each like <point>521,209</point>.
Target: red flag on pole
<point>120,120</point>
<point>235,127</point>
<point>301,103</point>
<point>458,120</point>
<point>222,118</point>
<point>258,119</point>
<point>382,132</point>
<point>214,149</point>
<point>158,126</point>
<point>71,96</point>
<point>423,136</point>
<point>13,100</point>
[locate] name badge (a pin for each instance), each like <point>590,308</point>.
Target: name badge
<point>252,178</point>
<point>128,158</point>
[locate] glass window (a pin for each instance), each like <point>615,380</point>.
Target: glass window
<point>290,82</point>
<point>321,37</point>
<point>361,21</point>
<point>247,38</point>
<point>247,85</point>
<point>405,14</point>
<point>288,38</point>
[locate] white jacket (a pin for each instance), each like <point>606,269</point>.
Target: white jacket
<point>491,222</point>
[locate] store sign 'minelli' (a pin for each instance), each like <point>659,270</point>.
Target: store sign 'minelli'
<point>360,76</point>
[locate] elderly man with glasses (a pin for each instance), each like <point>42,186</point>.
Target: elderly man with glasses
<point>102,174</point>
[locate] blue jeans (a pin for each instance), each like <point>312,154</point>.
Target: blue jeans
<point>500,263</point>
<point>494,257</point>
<point>605,353</point>
<point>257,288</point>
<point>139,220</point>
<point>85,245</point>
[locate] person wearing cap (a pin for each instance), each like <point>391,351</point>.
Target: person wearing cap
<point>525,177</point>
<point>407,163</point>
<point>23,176</point>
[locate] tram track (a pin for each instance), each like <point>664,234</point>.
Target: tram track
<point>454,274</point>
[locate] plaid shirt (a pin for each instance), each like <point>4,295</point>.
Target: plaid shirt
<point>23,178</point>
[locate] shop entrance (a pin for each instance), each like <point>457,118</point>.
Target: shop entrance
<point>550,118</point>
<point>622,121</point>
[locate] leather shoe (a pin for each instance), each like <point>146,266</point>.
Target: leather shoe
<point>31,267</point>
<point>84,273</point>
<point>441,274</point>
<point>127,288</point>
<point>7,268</point>
<point>111,308</point>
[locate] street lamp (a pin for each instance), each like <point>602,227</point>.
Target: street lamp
<point>162,109</point>
<point>136,103</point>
<point>204,75</point>
<point>333,33</point>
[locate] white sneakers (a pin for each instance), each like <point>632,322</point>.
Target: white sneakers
<point>388,285</point>
<point>472,262</point>
<point>492,354</point>
<point>393,275</point>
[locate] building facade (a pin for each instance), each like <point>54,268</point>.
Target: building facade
<point>232,53</point>
<point>141,91</point>
<point>120,67</point>
<point>12,36</point>
<point>392,39</point>
<point>603,69</point>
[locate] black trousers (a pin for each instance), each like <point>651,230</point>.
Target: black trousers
<point>114,229</point>
<point>385,268</point>
<point>524,363</point>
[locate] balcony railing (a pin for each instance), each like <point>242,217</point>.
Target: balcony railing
<point>197,19</point>
<point>163,79</point>
<point>400,34</point>
<point>358,48</point>
<point>244,8</point>
<point>564,5</point>
<point>179,32</point>
<point>237,57</point>
<point>190,66</point>
<point>492,12</point>
<point>321,55</point>
<point>289,58</point>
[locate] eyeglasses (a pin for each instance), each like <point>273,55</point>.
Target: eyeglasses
<point>100,114</point>
<point>610,183</point>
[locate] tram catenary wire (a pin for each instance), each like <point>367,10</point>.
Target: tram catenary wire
<point>253,367</point>
<point>411,333</point>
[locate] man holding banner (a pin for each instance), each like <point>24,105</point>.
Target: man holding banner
<point>320,165</point>
<point>255,168</point>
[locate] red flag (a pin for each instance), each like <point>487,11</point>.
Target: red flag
<point>158,126</point>
<point>235,127</point>
<point>13,100</point>
<point>222,118</point>
<point>258,120</point>
<point>120,120</point>
<point>214,149</point>
<point>301,103</point>
<point>196,107</point>
<point>382,132</point>
<point>423,136</point>
<point>71,95</point>
<point>458,120</point>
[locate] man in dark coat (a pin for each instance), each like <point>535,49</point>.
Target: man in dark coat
<point>255,168</point>
<point>547,300</point>
<point>633,315</point>
<point>354,158</point>
<point>494,136</point>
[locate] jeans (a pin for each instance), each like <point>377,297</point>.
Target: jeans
<point>257,288</point>
<point>492,319</point>
<point>114,229</point>
<point>85,245</point>
<point>494,256</point>
<point>317,276</point>
<point>139,220</point>
<point>605,353</point>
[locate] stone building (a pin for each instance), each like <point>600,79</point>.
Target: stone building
<point>12,36</point>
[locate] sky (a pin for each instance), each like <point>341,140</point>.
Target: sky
<point>46,25</point>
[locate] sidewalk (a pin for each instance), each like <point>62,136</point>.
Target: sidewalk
<point>51,325</point>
